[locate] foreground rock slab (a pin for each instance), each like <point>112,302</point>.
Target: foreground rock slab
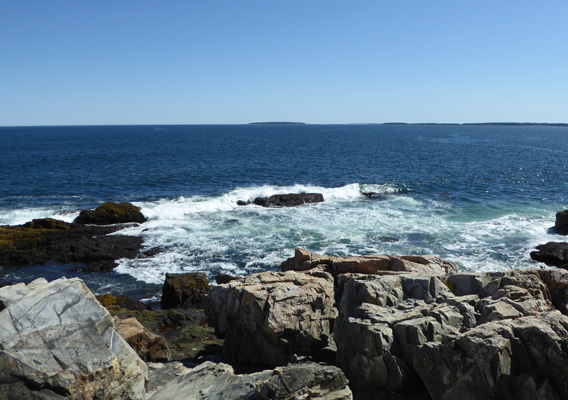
<point>298,381</point>
<point>304,260</point>
<point>56,341</point>
<point>458,336</point>
<point>267,317</point>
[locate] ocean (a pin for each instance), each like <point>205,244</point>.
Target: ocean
<point>481,196</point>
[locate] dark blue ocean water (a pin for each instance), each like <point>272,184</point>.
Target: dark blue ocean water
<point>482,196</point>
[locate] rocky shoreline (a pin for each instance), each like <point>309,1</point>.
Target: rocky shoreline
<point>411,327</point>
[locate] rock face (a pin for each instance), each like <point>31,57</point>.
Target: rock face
<point>182,290</point>
<point>218,382</point>
<point>185,330</point>
<point>57,340</point>
<point>285,200</point>
<point>303,260</point>
<point>561,225</point>
<point>111,213</point>
<point>460,336</point>
<point>42,240</point>
<point>267,317</point>
<point>552,253</point>
<point>148,346</point>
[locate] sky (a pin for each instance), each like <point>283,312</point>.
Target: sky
<point>234,62</point>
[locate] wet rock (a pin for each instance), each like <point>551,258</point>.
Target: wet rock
<point>108,300</point>
<point>226,278</point>
<point>185,331</point>
<point>148,346</point>
<point>561,225</point>
<point>182,290</point>
<point>465,335</point>
<point>111,213</point>
<point>552,253</point>
<point>297,381</point>
<point>56,341</point>
<point>303,260</point>
<point>288,200</point>
<point>43,240</point>
<point>267,317</point>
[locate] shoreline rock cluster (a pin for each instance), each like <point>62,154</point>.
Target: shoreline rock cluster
<point>333,328</point>
<point>86,240</point>
<point>555,253</point>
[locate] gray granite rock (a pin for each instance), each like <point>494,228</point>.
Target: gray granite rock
<point>210,381</point>
<point>458,336</point>
<point>57,340</point>
<point>267,317</point>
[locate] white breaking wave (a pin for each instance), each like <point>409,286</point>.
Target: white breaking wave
<point>215,235</point>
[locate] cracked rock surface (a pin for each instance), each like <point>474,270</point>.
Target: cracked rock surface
<point>458,336</point>
<point>56,340</point>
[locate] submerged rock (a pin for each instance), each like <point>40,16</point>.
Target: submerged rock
<point>297,381</point>
<point>43,240</point>
<point>285,200</point>
<point>56,341</point>
<point>267,317</point>
<point>111,213</point>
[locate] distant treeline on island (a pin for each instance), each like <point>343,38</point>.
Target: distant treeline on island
<point>277,123</point>
<point>478,123</point>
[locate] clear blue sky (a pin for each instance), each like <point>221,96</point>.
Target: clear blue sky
<point>193,62</point>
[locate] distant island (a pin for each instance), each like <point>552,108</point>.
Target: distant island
<point>277,123</point>
<point>476,123</point>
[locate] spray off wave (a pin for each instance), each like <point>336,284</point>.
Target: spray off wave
<point>214,234</point>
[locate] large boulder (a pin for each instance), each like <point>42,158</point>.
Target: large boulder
<point>111,213</point>
<point>304,260</point>
<point>183,290</point>
<point>56,341</point>
<point>268,317</point>
<point>297,381</point>
<point>148,346</point>
<point>42,240</point>
<point>552,253</point>
<point>458,336</point>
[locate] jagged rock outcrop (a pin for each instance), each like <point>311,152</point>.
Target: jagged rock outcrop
<point>303,260</point>
<point>285,200</point>
<point>42,240</point>
<point>56,341</point>
<point>552,253</point>
<point>460,336</point>
<point>148,346</point>
<point>182,290</point>
<point>267,317</point>
<point>297,381</point>
<point>111,213</point>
